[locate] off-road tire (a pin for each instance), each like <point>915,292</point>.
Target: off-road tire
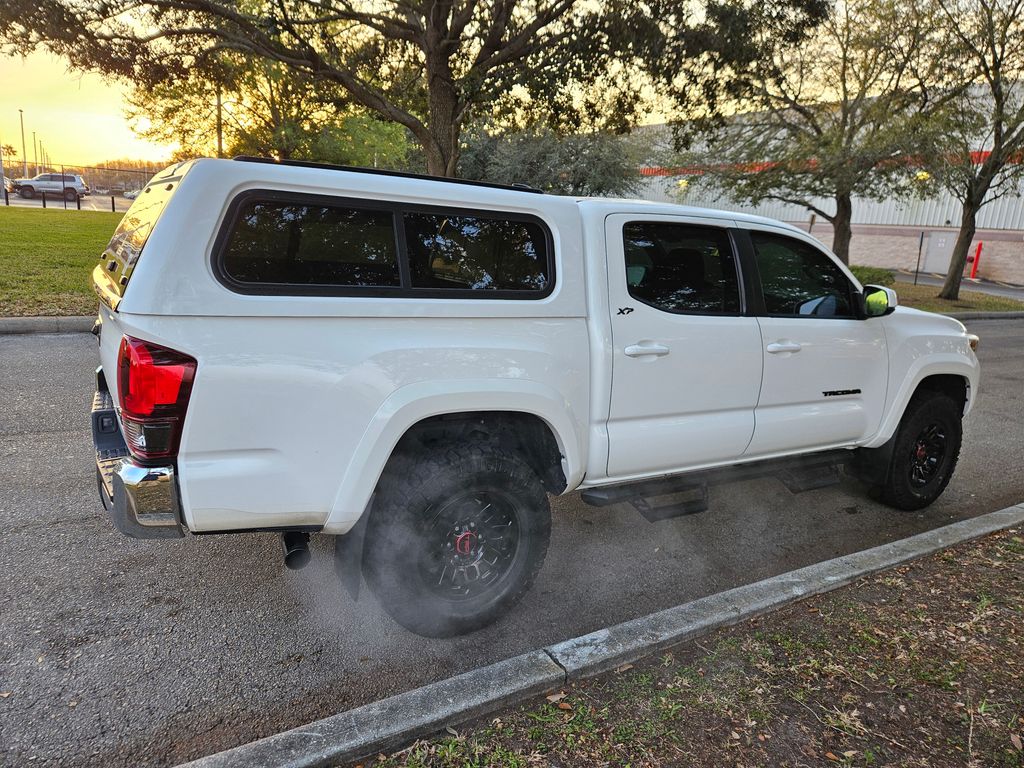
<point>407,536</point>
<point>926,411</point>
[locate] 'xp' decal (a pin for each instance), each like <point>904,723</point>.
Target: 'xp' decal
<point>625,310</point>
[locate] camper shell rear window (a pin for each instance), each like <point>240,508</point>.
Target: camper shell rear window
<point>124,250</point>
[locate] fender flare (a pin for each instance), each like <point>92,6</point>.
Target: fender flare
<point>413,403</point>
<point>933,365</point>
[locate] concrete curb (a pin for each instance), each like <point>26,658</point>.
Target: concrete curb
<point>400,719</point>
<point>71,324</point>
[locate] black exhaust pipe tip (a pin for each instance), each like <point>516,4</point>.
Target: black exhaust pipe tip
<point>296,549</point>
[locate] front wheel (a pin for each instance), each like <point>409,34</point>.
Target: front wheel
<point>456,537</point>
<point>925,450</point>
<point>27,193</point>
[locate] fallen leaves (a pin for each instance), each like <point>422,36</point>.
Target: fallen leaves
<point>1017,744</point>
<point>554,698</point>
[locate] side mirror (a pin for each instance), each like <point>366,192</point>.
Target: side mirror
<point>879,300</point>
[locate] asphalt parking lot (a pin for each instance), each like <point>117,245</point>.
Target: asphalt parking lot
<point>116,652</point>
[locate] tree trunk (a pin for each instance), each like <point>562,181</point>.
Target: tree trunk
<point>444,109</point>
<point>977,190</point>
<point>442,155</point>
<point>841,231</point>
<point>968,226</point>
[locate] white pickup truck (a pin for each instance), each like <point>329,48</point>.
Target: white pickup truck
<point>413,364</point>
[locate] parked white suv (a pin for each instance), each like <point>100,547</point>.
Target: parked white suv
<point>70,186</point>
<point>413,364</point>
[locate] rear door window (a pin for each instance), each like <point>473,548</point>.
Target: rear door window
<point>681,268</point>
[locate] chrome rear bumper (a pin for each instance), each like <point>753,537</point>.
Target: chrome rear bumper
<point>143,502</point>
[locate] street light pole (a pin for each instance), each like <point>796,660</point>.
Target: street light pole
<point>220,124</point>
<point>3,181</point>
<point>24,154</point>
<point>35,152</point>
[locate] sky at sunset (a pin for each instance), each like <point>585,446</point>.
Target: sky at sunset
<point>79,117</point>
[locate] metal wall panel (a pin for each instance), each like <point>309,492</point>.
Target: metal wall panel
<point>943,209</point>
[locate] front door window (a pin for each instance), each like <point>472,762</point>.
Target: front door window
<point>799,280</point>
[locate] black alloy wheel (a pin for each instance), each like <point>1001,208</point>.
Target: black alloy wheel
<point>472,542</point>
<point>456,537</point>
<point>928,451</point>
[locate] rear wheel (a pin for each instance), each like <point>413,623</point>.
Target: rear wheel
<point>456,537</point>
<point>70,195</point>
<point>925,450</point>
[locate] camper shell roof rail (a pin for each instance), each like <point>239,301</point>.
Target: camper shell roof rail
<point>382,172</point>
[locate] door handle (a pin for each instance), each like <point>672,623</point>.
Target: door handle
<point>782,346</point>
<point>641,350</point>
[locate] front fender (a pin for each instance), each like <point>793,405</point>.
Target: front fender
<point>415,402</point>
<point>955,364</point>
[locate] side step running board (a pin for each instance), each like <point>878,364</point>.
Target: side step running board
<point>799,474</point>
<point>655,513</point>
<point>800,479</point>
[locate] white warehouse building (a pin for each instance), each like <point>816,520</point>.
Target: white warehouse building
<point>885,234</point>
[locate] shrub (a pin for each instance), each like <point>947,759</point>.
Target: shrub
<point>873,275</point>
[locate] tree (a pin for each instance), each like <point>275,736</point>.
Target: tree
<point>983,159</point>
<point>6,151</point>
<point>424,65</point>
<point>577,164</point>
<point>431,66</point>
<point>846,111</point>
<point>266,109</point>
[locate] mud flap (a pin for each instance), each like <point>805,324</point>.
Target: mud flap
<point>348,554</point>
<point>871,465</point>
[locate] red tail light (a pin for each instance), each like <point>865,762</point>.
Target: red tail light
<point>154,384</point>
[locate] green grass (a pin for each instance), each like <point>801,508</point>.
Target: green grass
<point>926,297</point>
<point>46,257</point>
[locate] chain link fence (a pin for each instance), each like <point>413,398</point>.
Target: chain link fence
<point>73,186</point>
